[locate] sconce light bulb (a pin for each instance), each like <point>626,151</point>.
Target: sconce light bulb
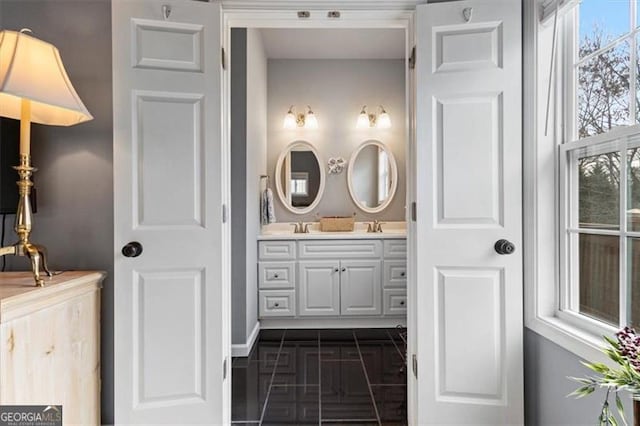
<point>363,119</point>
<point>311,122</point>
<point>290,120</point>
<point>383,121</point>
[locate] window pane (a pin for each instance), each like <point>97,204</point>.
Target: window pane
<point>634,281</point>
<point>603,91</point>
<point>633,189</point>
<point>602,21</point>
<point>599,261</point>
<point>598,191</point>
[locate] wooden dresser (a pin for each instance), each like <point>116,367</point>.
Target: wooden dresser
<point>50,343</point>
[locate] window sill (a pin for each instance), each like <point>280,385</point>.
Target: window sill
<point>585,344</point>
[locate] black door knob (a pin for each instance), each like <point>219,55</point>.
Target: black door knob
<point>504,247</point>
<point>132,249</point>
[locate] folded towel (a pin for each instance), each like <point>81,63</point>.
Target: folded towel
<point>267,212</point>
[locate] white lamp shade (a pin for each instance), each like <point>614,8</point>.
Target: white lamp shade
<point>290,121</point>
<point>32,69</point>
<point>363,121</point>
<point>311,122</point>
<point>383,121</point>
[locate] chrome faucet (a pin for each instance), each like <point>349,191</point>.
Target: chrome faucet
<point>375,226</point>
<point>301,228</point>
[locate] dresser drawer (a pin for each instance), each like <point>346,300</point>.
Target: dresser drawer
<point>277,303</point>
<point>395,301</point>
<point>395,249</point>
<point>272,275</point>
<point>395,274</point>
<point>339,249</point>
<point>276,250</point>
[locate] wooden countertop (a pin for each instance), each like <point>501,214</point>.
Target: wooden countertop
<point>19,295</point>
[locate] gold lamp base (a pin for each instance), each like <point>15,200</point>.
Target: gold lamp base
<point>37,253</point>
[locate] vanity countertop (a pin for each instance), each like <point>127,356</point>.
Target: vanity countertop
<point>284,231</point>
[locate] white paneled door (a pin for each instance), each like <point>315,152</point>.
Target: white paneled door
<point>169,332</point>
<point>469,196</point>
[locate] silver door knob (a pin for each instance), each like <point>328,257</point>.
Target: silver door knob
<point>504,247</point>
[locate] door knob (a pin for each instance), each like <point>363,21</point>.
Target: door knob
<point>132,249</point>
<point>504,247</point>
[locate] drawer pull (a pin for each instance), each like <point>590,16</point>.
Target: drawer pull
<point>344,269</point>
<point>402,303</point>
<point>276,276</point>
<point>336,270</point>
<point>402,274</point>
<point>276,304</point>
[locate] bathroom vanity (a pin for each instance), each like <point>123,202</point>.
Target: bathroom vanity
<point>310,278</point>
<point>305,277</point>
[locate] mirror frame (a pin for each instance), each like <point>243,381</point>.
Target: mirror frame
<point>394,176</point>
<point>283,199</point>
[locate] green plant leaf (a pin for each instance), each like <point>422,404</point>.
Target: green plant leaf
<point>597,367</point>
<point>612,420</point>
<point>620,409</point>
<point>583,391</point>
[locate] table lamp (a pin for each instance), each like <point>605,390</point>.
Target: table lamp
<point>34,87</point>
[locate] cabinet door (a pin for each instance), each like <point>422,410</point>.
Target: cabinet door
<point>360,289</point>
<point>319,283</point>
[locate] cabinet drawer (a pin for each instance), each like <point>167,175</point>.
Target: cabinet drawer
<point>395,249</point>
<point>395,274</point>
<point>277,303</point>
<point>276,250</point>
<point>276,275</point>
<point>338,249</point>
<point>395,302</point>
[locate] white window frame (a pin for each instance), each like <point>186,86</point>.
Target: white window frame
<point>613,140</point>
<point>299,177</point>
<point>616,140</point>
<point>542,198</point>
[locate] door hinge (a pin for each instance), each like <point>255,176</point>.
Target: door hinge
<point>415,365</point>
<point>223,58</point>
<point>224,369</point>
<point>224,213</point>
<point>414,211</point>
<point>412,58</point>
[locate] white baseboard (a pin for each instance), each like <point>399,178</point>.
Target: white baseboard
<point>344,322</point>
<point>243,349</point>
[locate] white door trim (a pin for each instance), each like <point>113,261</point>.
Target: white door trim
<point>354,14</point>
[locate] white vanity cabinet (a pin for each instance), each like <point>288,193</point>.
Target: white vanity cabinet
<point>332,278</point>
<point>394,292</point>
<point>360,287</point>
<point>319,288</point>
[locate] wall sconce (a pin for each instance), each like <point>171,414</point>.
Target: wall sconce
<point>381,121</point>
<point>293,120</point>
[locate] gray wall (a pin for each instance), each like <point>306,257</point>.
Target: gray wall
<point>248,162</point>
<point>547,368</point>
<point>238,183</point>
<point>256,162</point>
<point>336,91</point>
<point>75,177</point>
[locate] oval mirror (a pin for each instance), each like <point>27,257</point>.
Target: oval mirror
<point>299,177</point>
<point>372,176</point>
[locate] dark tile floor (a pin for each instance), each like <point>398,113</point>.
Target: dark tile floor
<point>322,377</point>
